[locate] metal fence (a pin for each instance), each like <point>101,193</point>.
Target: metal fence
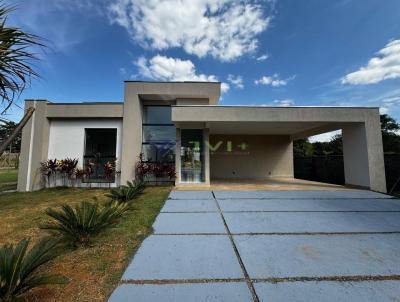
<point>330,169</point>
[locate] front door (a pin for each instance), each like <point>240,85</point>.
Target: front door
<point>192,156</point>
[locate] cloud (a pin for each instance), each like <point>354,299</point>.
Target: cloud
<point>284,103</point>
<point>274,81</point>
<point>386,65</point>
<point>236,81</point>
<point>164,68</point>
<point>389,103</point>
<point>324,137</point>
<point>262,57</point>
<point>224,29</point>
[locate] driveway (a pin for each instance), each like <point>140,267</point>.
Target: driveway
<point>269,246</point>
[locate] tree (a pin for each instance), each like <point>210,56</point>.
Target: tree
<point>16,72</point>
<point>5,131</point>
<point>390,137</point>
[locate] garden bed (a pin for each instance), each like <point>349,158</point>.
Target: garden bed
<point>92,272</point>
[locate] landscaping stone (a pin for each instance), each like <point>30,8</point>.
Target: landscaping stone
<point>313,222</point>
<point>200,292</point>
<point>184,257</point>
<point>191,195</point>
<point>299,194</point>
<point>309,204</point>
<point>382,291</point>
<point>190,205</point>
<point>189,223</point>
<point>317,256</point>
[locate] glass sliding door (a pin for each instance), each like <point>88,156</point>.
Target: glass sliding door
<point>192,156</point>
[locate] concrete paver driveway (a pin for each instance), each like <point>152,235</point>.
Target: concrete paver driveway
<point>269,246</point>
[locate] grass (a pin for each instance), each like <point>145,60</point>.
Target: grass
<point>93,272</point>
<point>8,179</point>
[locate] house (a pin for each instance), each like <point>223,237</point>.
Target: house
<point>180,126</point>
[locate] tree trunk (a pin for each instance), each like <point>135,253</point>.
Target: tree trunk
<point>15,132</point>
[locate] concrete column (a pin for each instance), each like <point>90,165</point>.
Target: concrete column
<point>131,134</point>
<point>178,156</point>
<point>363,154</point>
<point>34,147</point>
<point>206,140</point>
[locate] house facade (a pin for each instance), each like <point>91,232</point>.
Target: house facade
<point>178,132</point>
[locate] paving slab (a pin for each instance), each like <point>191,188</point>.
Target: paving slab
<point>210,292</point>
<point>184,257</point>
<point>191,195</point>
<point>190,205</point>
<point>378,204</point>
<point>382,291</point>
<point>317,256</point>
<point>299,194</point>
<point>189,223</point>
<point>312,222</point>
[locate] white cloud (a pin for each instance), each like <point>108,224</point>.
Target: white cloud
<point>224,29</point>
<point>173,69</point>
<point>386,65</point>
<point>324,137</point>
<point>262,57</point>
<point>274,81</point>
<point>236,81</point>
<point>389,103</point>
<point>284,103</point>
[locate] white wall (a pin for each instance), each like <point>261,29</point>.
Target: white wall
<point>67,137</point>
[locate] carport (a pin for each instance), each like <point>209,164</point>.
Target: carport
<point>256,143</point>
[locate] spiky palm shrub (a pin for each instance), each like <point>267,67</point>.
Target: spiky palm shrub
<point>19,268</point>
<point>126,193</point>
<point>77,225</point>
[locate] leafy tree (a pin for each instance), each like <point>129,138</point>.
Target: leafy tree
<point>390,137</point>
<point>5,131</point>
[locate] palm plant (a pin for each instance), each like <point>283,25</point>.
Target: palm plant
<point>15,72</point>
<point>126,193</point>
<point>77,226</point>
<point>19,268</point>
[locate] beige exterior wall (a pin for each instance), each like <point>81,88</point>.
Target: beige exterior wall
<point>266,156</point>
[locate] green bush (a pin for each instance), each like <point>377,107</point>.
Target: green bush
<point>19,268</point>
<point>128,192</point>
<point>77,226</point>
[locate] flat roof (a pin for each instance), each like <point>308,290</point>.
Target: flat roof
<point>283,107</point>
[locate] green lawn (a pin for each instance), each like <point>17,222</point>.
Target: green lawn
<point>93,272</point>
<point>8,179</point>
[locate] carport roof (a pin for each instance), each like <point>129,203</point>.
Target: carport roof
<point>295,121</point>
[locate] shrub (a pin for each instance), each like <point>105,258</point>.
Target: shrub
<point>77,226</point>
<point>19,268</point>
<point>128,192</point>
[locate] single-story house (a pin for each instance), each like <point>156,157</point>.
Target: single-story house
<point>177,131</point>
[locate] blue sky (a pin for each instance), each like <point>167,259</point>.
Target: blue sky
<point>283,52</point>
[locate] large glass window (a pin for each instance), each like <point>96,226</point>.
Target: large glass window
<point>160,133</point>
<point>192,155</point>
<point>157,115</point>
<point>159,139</point>
<point>100,149</point>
